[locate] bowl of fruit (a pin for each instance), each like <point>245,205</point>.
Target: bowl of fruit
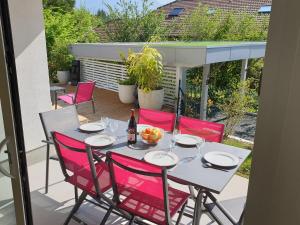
<point>152,135</point>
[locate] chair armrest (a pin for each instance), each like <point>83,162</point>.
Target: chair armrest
<point>48,142</point>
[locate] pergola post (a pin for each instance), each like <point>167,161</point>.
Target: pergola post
<point>244,69</point>
<point>204,92</point>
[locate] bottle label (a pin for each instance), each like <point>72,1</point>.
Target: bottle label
<point>131,135</point>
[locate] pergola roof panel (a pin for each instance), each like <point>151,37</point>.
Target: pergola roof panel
<point>186,54</point>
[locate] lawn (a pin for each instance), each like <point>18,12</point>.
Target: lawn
<point>244,170</point>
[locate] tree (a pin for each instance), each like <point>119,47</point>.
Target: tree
<point>65,5</point>
<point>102,15</point>
<point>65,28</point>
<point>129,22</point>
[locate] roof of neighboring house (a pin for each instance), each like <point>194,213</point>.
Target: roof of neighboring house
<point>251,6</point>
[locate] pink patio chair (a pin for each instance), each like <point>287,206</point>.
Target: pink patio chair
<point>82,169</point>
<point>83,94</point>
<point>164,120</point>
<point>208,130</point>
<point>141,189</point>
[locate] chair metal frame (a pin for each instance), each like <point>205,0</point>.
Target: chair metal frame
<point>49,142</point>
<point>75,96</point>
<point>225,212</point>
<point>116,197</point>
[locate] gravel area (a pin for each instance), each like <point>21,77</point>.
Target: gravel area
<point>245,130</point>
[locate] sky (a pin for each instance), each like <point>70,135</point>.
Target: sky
<point>94,5</point>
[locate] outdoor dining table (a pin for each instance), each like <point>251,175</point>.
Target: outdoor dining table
<point>193,172</point>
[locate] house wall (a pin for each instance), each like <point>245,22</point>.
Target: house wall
<point>274,190</point>
<point>32,68</point>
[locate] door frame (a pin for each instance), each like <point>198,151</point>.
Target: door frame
<point>13,120</point>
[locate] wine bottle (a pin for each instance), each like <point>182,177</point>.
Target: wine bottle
<point>132,130</point>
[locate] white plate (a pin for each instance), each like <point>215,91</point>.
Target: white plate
<point>141,127</point>
<point>92,127</point>
<point>186,139</point>
<point>161,158</point>
<point>223,159</point>
<point>100,140</point>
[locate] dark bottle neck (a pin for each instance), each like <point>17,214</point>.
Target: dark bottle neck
<point>132,113</point>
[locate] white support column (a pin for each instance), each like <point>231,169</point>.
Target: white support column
<point>204,93</point>
<point>244,69</point>
<point>179,72</point>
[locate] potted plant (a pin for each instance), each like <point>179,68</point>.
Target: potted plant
<point>59,64</point>
<point>127,87</point>
<point>147,68</point>
<point>126,90</point>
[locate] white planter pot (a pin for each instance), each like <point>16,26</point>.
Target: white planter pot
<point>63,76</point>
<point>126,93</point>
<point>152,100</point>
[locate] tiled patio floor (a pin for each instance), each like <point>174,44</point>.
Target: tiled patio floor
<point>52,208</point>
<point>107,103</point>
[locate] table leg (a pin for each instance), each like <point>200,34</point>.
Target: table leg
<point>55,97</point>
<point>198,208</point>
<point>193,195</point>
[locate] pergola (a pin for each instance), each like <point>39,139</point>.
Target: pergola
<point>182,55</point>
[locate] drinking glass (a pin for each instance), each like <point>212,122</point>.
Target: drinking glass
<point>173,139</point>
<point>199,146</point>
<point>105,121</point>
<point>113,126</point>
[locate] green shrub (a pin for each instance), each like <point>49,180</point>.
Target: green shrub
<point>235,106</point>
<point>128,22</point>
<point>65,28</point>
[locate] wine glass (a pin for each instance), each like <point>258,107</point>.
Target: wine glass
<point>173,139</point>
<point>113,126</point>
<point>199,146</point>
<point>105,121</point>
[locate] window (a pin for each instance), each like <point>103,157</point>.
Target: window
<point>176,12</point>
<point>265,9</point>
<point>211,11</point>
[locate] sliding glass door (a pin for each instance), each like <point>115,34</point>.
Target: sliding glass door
<point>15,205</point>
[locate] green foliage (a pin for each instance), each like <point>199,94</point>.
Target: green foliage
<point>102,15</point>
<point>147,68</point>
<point>64,5</point>
<point>65,28</point>
<point>235,107</point>
<point>128,81</point>
<point>224,25</point>
<point>131,76</point>
<point>128,22</point>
